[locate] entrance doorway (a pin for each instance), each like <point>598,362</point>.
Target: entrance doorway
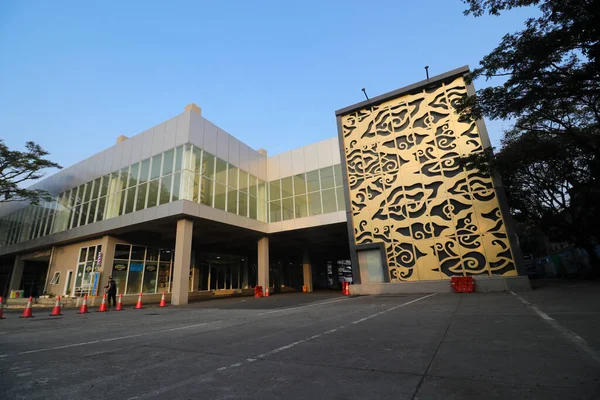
<point>221,272</point>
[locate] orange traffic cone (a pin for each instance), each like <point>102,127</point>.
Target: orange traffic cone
<point>103,304</point>
<point>120,303</point>
<point>56,309</point>
<point>267,292</point>
<point>1,307</point>
<point>28,312</point>
<point>83,309</point>
<point>138,305</point>
<point>163,301</point>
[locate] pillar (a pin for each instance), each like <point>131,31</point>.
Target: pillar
<point>181,266</point>
<point>263,263</point>
<point>307,272</point>
<point>245,272</point>
<point>17,274</point>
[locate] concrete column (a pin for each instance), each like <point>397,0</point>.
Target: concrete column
<point>181,267</point>
<point>263,263</point>
<point>195,276</point>
<point>307,271</point>
<point>17,274</point>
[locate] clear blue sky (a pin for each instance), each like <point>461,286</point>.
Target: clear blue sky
<point>74,75</point>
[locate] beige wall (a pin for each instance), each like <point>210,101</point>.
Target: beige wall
<point>65,258</point>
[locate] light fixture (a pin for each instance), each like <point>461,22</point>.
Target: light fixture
<point>218,257</point>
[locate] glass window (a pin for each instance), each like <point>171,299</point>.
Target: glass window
<point>144,170</point>
<point>168,162</point>
<point>134,279</point>
<point>151,254</point>
<point>138,252</point>
<point>327,178</point>
<point>337,172</point>
<point>96,189</point>
<point>221,171</point>
<point>119,274</point>
<point>232,180</point>
<point>178,158</point>
<point>252,187</point>
<point>286,187</point>
<point>275,211</point>
<point>299,184</point>
<point>165,255</point>
<point>122,251</point>
<point>244,181</point>
<point>314,203</point>
<point>206,192</point>
<point>232,201</point>
<point>165,190</point>
<point>83,254</point>
<point>130,201</point>
<point>196,188</point>
<point>100,211</point>
<point>122,202</point>
<point>341,201</point>
<point>252,203</point>
<point>243,204</point>
<point>220,191</point>
<point>92,211</point>
<point>104,186</point>
<point>176,186</point>
<point>329,202</point>
<point>140,202</point>
<point>150,273</point>
<point>208,165</point>
<point>155,171</point>
<point>87,191</point>
<point>274,190</point>
<point>83,220</point>
<point>300,206</point>
<point>124,176</point>
<point>197,160</point>
<point>134,171</point>
<point>152,193</point>
<point>164,277</point>
<point>287,206</point>
<point>312,181</point>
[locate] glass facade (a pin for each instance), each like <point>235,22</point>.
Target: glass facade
<point>185,172</point>
<point>140,269</point>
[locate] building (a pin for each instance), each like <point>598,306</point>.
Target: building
<point>187,209</point>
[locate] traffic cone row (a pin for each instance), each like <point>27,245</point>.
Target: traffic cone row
<point>56,311</point>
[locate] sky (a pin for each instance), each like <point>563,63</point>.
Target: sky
<point>75,75</point>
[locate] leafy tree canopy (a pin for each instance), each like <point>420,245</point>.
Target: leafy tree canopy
<point>18,167</point>
<point>549,159</point>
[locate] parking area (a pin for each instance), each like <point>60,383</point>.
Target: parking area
<point>540,344</point>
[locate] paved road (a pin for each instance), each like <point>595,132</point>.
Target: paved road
<point>319,346</point>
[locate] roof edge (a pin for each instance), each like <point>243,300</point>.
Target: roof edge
<point>406,89</point>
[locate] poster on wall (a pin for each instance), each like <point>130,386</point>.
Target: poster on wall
<point>95,284</point>
<point>136,267</point>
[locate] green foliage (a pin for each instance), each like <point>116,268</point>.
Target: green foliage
<point>549,159</point>
<point>17,167</point>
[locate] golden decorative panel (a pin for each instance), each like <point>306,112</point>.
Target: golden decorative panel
<point>409,191</point>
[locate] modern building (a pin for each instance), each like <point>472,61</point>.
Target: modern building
<point>186,208</point>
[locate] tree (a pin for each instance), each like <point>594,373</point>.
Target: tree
<point>549,159</point>
<point>18,167</point>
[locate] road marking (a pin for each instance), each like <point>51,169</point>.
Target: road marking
<point>568,334</point>
<point>117,338</point>
<point>306,306</point>
<point>3,355</point>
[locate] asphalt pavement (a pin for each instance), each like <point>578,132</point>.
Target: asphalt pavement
<point>542,344</point>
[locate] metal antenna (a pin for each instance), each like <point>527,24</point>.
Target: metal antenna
<point>365,92</point>
<point>427,71</point>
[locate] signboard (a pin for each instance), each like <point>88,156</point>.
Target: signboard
<point>136,267</point>
<point>96,280</point>
<point>151,267</point>
<point>120,267</point>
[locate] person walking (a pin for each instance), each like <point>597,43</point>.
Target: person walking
<point>111,291</point>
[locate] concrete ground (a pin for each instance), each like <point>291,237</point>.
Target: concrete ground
<point>543,344</point>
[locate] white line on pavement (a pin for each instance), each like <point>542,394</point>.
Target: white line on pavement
<point>306,306</point>
<point>570,335</point>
